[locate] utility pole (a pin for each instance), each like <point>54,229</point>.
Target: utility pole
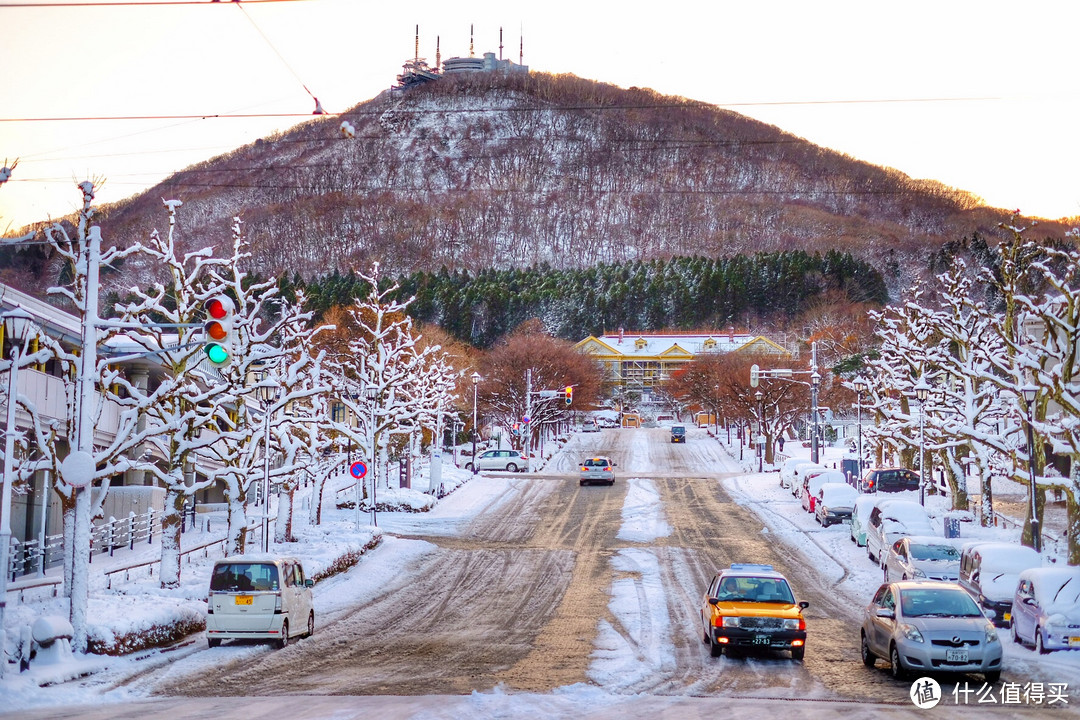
<point>525,421</point>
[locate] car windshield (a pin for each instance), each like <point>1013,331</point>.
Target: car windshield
<point>596,462</point>
<point>244,576</point>
<point>934,552</point>
<point>937,602</point>
<point>755,589</point>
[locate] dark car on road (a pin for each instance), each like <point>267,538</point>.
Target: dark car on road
<point>678,433</point>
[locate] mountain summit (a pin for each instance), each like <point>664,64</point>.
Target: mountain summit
<point>491,169</point>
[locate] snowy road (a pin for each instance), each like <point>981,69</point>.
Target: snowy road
<point>549,595</point>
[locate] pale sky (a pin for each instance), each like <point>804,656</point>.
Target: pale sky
<point>982,95</point>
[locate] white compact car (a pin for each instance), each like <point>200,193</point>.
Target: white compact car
<point>259,597</point>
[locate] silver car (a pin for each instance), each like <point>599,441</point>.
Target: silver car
<point>923,558</point>
<point>1046,609</point>
<point>597,470</point>
<point>929,627</point>
<point>509,460</point>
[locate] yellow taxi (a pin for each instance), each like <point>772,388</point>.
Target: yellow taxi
<point>751,607</point>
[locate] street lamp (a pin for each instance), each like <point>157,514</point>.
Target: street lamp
<point>267,393</point>
<point>922,392</point>
<point>1029,392</point>
<point>371,392</point>
<point>475,381</point>
<point>860,388</point>
<point>815,382</point>
<point>18,325</point>
<point>761,430</point>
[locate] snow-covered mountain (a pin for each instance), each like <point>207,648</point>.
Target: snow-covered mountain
<point>499,170</point>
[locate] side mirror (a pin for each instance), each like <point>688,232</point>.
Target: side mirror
<point>803,605</point>
<point>309,583</point>
<point>614,464</point>
<point>713,600</point>
<point>885,613</point>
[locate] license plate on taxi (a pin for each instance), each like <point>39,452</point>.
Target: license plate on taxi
<point>762,640</point>
<point>960,656</point>
<point>244,599</point>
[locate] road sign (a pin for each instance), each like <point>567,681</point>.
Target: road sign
<point>358,469</point>
<point>525,419</point>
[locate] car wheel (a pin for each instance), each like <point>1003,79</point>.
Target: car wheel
<point>581,483</point>
<point>798,653</point>
<point>1015,635</point>
<point>284,640</point>
<point>870,554</point>
<point>468,466</point>
<point>511,467</point>
<point>611,482</point>
<point>1039,646</point>
<point>715,649</point>
<point>898,671</point>
<point>868,657</point>
<point>993,676</point>
<point>213,642</point>
<point>310,624</point>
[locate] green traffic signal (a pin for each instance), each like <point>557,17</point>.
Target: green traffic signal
<point>217,354</point>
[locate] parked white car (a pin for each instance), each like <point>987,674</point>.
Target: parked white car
<point>798,474</point>
<point>259,597</point>
<point>923,558</point>
<point>889,521</point>
<point>509,460</point>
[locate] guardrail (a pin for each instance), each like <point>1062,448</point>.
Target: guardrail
<point>149,564</point>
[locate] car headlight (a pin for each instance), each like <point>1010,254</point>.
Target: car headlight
<point>918,573</point>
<point>911,633</point>
<point>731,622</point>
<point>991,633</point>
<point>1056,620</point>
<point>791,624</point>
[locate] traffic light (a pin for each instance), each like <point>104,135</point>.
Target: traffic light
<point>218,330</point>
<point>569,394</point>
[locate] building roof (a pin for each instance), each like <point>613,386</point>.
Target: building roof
<point>675,346</point>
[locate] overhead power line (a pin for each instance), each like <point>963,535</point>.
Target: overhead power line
<point>136,3</point>
<point>466,111</point>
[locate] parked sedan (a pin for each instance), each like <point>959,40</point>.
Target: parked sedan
<point>923,558</point>
<point>929,627</point>
<point>597,470</point>
<point>834,503</point>
<point>509,460</point>
<point>1046,609</point>
<point>891,520</point>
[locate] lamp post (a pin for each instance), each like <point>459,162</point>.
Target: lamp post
<point>1029,392</point>
<point>815,382</point>
<point>860,388</point>
<point>761,431</point>
<point>475,381</point>
<point>370,393</point>
<point>266,393</point>
<point>18,325</point>
<point>922,392</point>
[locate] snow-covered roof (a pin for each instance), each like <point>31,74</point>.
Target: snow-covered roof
<point>1057,590</point>
<point>838,493</point>
<point>631,345</point>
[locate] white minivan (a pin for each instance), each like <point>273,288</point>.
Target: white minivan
<point>259,597</point>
